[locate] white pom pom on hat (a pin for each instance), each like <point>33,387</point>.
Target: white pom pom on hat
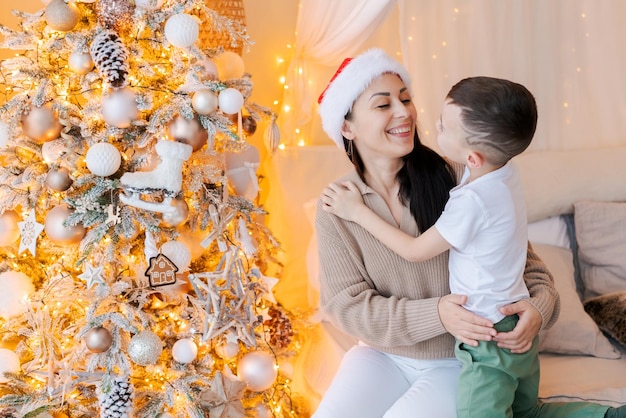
<point>351,79</point>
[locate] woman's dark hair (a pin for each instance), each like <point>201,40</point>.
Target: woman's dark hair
<point>425,181</point>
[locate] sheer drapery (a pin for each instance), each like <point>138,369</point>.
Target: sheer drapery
<point>327,31</point>
<point>569,53</point>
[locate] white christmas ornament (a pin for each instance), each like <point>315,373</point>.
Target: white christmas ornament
<point>29,230</point>
<point>258,369</point>
<point>51,151</point>
<point>62,16</point>
<point>230,101</point>
<point>9,230</point>
<point>16,288</point>
<point>182,30</point>
<point>178,253</point>
<point>229,65</point>
<point>178,215</point>
<point>103,159</point>
<point>145,348</point>
<point>9,362</point>
<point>184,351</point>
<point>119,108</point>
<point>209,69</point>
<point>80,62</point>
<point>241,168</point>
<point>149,4</point>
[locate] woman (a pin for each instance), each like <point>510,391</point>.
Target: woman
<point>401,312</point>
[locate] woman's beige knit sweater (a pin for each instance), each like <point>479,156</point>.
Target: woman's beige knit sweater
<point>373,294</point>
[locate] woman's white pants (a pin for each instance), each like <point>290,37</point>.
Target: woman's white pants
<point>370,383</point>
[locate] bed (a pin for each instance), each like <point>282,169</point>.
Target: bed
<point>577,224</point>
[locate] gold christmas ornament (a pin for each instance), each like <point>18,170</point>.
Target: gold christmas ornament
<point>9,230</point>
<point>98,340</point>
<point>115,14</point>
<point>59,179</point>
<point>188,131</point>
<point>249,125</point>
<point>204,102</point>
<point>41,124</point>
<point>59,233</point>
<point>80,62</point>
<point>62,16</point>
<point>145,348</point>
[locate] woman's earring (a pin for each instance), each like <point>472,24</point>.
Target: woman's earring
<point>350,151</point>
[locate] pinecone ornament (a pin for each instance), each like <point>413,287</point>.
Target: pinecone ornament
<point>110,57</point>
<point>280,329</point>
<point>116,400</point>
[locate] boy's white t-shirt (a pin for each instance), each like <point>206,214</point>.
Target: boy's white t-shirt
<point>485,223</point>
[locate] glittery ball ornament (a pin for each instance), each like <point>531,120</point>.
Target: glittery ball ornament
<point>59,179</point>
<point>98,340</point>
<point>178,215</point>
<point>182,30</point>
<point>257,368</point>
<point>230,100</point>
<point>80,62</point>
<point>9,362</point>
<point>188,131</point>
<point>9,230</point>
<point>41,124</point>
<point>114,14</point>
<point>149,4</point>
<point>119,108</point>
<point>145,348</point>
<point>184,350</point>
<point>62,16</point>
<point>204,102</point>
<point>16,288</point>
<point>57,231</point>
<point>229,65</point>
<point>103,159</point>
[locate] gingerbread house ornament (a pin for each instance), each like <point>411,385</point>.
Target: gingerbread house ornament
<point>162,271</point>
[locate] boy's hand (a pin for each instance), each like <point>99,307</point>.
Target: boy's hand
<point>343,200</point>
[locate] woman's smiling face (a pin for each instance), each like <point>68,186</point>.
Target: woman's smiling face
<point>383,118</point>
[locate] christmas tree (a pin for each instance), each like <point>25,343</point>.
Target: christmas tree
<point>135,266</point>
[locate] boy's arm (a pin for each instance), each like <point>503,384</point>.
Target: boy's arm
<point>345,200</point>
<point>421,248</point>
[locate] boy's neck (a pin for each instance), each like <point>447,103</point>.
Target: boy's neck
<point>485,168</point>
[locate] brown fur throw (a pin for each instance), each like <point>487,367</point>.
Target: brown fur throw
<point>609,312</point>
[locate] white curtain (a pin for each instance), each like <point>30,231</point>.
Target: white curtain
<point>327,31</point>
<point>569,53</point>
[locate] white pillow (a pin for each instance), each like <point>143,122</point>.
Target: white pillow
<point>574,332</point>
<point>550,231</point>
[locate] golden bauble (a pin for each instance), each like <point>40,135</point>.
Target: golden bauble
<point>59,179</point>
<point>62,16</point>
<point>59,233</point>
<point>98,340</point>
<point>9,230</point>
<point>188,131</point>
<point>41,123</point>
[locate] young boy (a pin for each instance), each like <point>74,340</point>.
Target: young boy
<point>484,123</point>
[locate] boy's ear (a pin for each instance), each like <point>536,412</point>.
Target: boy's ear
<point>475,159</point>
<point>346,130</point>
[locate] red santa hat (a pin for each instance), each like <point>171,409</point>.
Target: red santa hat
<point>353,76</point>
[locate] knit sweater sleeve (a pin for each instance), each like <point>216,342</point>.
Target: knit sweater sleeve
<point>543,294</point>
<point>378,313</point>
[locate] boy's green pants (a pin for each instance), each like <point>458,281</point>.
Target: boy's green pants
<point>495,383</point>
